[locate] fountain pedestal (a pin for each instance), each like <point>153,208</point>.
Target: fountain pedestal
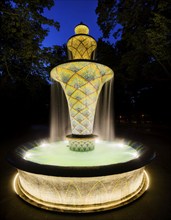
<point>81,194</point>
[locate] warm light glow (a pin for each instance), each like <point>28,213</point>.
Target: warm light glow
<point>81,29</point>
<point>82,83</point>
<point>27,155</point>
<point>100,153</point>
<point>97,140</point>
<point>66,142</point>
<point>81,46</point>
<point>135,154</point>
<point>82,193</point>
<point>44,144</point>
<point>14,183</point>
<point>121,145</point>
<point>147,179</point>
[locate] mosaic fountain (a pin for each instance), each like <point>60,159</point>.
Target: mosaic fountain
<point>81,173</point>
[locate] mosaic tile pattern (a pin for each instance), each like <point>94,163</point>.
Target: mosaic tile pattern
<point>82,83</point>
<point>81,47</point>
<point>81,191</point>
<point>81,145</point>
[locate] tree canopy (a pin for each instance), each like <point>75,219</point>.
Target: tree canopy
<point>22,32</point>
<point>142,46</point>
<point>24,62</point>
<point>144,27</point>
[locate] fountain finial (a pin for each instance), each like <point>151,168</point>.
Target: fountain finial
<point>81,45</point>
<point>81,29</point>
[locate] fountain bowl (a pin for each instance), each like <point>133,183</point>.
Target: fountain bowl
<point>80,188</point>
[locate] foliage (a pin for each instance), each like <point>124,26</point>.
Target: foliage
<point>142,51</point>
<point>106,53</point>
<point>24,62</point>
<point>21,36</point>
<point>145,26</point>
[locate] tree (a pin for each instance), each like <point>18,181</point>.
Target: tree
<point>24,88</point>
<point>144,25</point>
<point>142,50</point>
<point>22,33</point>
<point>106,53</point>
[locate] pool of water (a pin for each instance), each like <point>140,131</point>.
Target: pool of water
<point>59,154</point>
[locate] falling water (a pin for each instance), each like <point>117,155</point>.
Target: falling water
<point>104,118</point>
<point>59,113</point>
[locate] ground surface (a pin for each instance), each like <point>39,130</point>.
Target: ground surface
<point>153,205</point>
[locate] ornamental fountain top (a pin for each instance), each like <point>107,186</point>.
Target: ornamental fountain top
<point>82,80</point>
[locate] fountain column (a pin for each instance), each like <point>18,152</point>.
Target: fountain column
<point>81,79</point>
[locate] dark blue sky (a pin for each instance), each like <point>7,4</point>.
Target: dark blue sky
<point>69,13</point>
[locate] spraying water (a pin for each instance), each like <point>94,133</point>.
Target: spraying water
<point>104,119</point>
<point>60,123</point>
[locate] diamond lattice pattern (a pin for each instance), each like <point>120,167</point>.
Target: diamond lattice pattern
<point>82,82</point>
<point>81,46</point>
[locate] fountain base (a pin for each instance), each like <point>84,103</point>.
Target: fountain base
<point>86,186</point>
<point>73,194</point>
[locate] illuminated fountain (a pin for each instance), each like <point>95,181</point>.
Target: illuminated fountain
<point>81,173</point>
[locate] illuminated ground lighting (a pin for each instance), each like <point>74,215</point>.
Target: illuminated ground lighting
<point>147,179</point>
<point>71,187</point>
<point>15,187</point>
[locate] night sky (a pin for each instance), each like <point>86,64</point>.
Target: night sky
<point>69,13</point>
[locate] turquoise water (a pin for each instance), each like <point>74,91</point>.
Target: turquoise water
<point>59,154</point>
